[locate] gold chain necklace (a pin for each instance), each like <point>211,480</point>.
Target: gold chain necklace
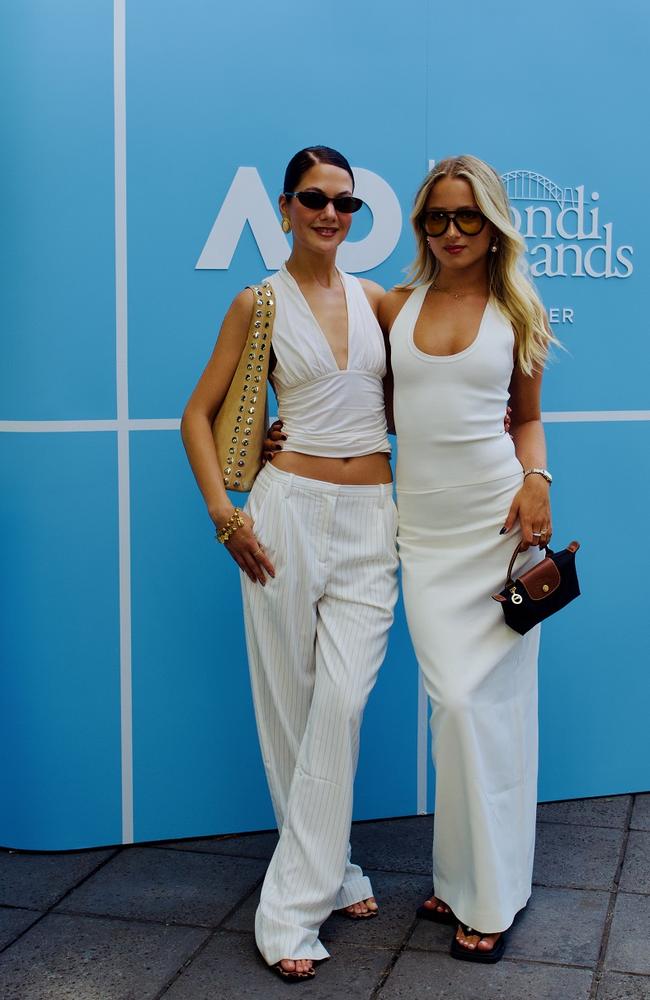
<point>458,296</point>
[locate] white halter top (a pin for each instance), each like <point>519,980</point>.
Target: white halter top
<point>449,410</point>
<point>328,411</point>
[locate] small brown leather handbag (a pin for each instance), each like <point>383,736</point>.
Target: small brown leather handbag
<point>240,425</point>
<point>542,590</point>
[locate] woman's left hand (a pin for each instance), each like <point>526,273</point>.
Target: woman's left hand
<point>272,441</point>
<point>531,505</point>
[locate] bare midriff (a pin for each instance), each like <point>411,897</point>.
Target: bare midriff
<point>362,470</point>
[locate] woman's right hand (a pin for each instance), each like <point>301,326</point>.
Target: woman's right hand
<point>248,552</point>
<point>272,441</point>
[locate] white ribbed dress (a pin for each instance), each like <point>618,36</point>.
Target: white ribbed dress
<point>456,476</point>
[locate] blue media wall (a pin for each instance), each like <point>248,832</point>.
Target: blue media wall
<point>130,224</point>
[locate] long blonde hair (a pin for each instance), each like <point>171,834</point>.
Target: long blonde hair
<point>512,290</point>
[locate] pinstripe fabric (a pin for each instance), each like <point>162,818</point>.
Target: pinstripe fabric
<point>316,636</point>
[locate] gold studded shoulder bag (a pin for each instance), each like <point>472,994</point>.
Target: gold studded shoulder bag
<point>240,425</point>
<point>541,591</point>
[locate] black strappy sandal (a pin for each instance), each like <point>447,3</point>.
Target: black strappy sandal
<point>463,954</point>
<point>436,916</point>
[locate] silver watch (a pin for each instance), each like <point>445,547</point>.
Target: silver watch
<point>544,473</point>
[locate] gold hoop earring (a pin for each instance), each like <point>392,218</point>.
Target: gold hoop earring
<point>286,225</point>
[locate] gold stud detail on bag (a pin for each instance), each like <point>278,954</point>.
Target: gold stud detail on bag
<point>251,374</point>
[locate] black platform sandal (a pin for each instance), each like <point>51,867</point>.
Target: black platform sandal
<point>434,915</point>
<point>463,954</point>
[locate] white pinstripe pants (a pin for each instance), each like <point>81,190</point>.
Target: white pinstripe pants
<point>316,637</point>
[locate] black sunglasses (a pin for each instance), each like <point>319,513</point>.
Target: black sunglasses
<point>468,221</point>
<point>317,200</point>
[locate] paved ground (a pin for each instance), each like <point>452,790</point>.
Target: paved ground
<point>174,920</point>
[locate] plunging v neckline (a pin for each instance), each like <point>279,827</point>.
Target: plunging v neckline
<point>319,328</point>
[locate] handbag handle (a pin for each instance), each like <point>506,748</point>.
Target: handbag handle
<point>509,580</point>
<point>571,547</point>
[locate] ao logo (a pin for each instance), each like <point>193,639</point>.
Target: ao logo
<point>248,201</point>
<point>552,216</point>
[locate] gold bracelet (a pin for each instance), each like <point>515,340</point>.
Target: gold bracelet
<point>230,527</point>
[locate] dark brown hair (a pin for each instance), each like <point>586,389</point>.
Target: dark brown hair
<point>306,158</point>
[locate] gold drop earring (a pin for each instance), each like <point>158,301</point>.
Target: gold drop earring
<point>286,225</point>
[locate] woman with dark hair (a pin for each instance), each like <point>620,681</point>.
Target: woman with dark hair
<point>467,333</point>
<point>316,546</point>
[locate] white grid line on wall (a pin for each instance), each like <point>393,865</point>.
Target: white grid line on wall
<point>174,423</point>
<point>122,388</point>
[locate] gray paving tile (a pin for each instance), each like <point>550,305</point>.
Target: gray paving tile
<point>641,813</point>
<point>616,986</point>
<point>564,926</point>
<point>439,977</point>
<point>243,919</point>
<point>635,876</point>
<point>13,922</point>
<point>230,969</point>
<point>398,896</point>
<point>576,856</point>
<point>38,880</point>
<point>248,845</point>
<point>82,958</point>
<point>611,811</point>
<point>430,936</point>
<point>560,925</point>
<point>169,886</point>
<point>627,950</point>
<point>402,845</point>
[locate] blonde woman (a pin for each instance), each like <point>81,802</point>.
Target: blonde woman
<point>467,333</point>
